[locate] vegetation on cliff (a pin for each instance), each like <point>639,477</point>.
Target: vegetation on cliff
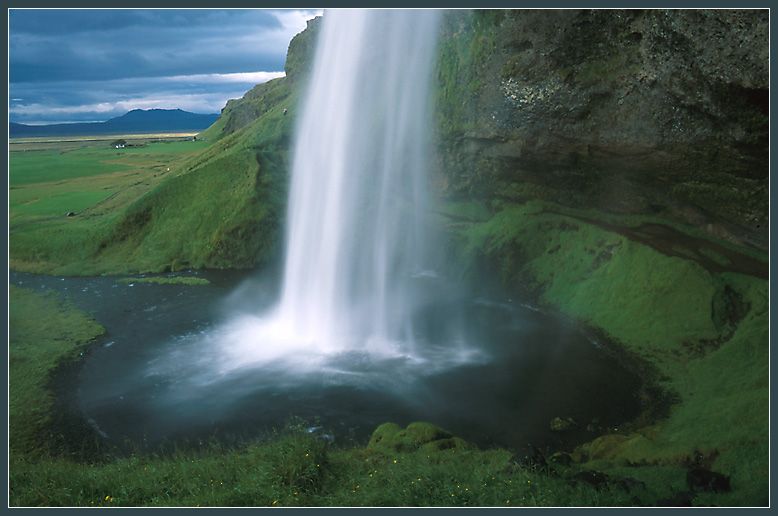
<point>701,337</point>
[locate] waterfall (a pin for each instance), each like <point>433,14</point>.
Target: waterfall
<point>357,199</point>
<point>358,301</point>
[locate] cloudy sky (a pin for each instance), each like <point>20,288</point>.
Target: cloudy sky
<point>74,65</point>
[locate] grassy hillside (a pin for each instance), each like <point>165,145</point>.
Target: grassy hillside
<point>218,208</point>
<point>189,204</point>
<point>90,180</point>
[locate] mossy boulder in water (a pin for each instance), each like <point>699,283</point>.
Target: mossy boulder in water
<point>416,436</point>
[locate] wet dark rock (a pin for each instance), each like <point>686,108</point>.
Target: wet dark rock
<point>559,424</point>
<point>594,478</point>
<point>561,458</point>
<point>529,455</point>
<point>532,459</point>
<point>702,480</point>
<point>630,484</point>
<point>602,481</point>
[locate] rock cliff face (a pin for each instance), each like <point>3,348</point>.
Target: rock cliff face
<point>628,111</point>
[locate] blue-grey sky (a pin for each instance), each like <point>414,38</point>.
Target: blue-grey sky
<point>76,65</point>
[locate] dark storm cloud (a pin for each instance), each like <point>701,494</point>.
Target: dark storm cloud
<point>78,44</point>
<point>103,61</point>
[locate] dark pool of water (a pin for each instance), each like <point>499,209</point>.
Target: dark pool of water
<point>147,380</point>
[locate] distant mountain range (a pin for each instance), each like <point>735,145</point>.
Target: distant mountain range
<point>137,121</point>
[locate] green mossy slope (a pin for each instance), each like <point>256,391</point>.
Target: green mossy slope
<point>703,335</point>
<point>225,209</point>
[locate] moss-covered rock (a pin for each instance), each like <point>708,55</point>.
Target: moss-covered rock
<point>420,436</point>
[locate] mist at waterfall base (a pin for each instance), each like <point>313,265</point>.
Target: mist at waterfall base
<point>356,242</point>
<point>364,329</point>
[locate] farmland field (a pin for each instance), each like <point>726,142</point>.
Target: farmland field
<point>50,178</point>
<point>49,166</point>
<point>89,179</point>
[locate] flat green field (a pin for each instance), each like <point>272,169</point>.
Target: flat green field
<point>80,142</point>
<point>48,166</point>
<point>51,182</point>
<point>90,179</point>
<point>36,202</point>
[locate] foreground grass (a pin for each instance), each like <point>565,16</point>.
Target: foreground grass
<point>42,333</point>
<point>294,469</point>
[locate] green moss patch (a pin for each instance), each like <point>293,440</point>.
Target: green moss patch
<point>175,280</point>
<point>42,332</point>
<point>390,438</point>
